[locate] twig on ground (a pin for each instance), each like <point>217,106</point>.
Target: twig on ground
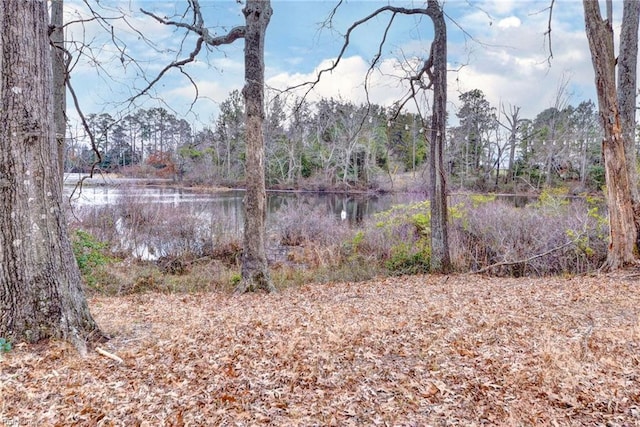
<point>112,356</point>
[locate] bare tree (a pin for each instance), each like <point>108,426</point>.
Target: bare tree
<point>436,68</point>
<point>627,94</point>
<point>513,122</point>
<point>255,272</point>
<point>430,74</point>
<point>41,292</point>
<point>617,113</point>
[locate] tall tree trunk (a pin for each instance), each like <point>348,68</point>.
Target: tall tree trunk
<point>41,292</point>
<point>627,96</point>
<point>513,120</point>
<point>440,258</point>
<point>255,271</point>
<point>622,226</point>
<point>59,66</point>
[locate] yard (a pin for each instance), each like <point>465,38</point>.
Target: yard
<point>423,350</point>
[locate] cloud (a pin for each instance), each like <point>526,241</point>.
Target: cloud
<point>497,46</point>
<point>347,81</point>
<point>512,61</point>
<point>210,94</point>
<point>510,22</point>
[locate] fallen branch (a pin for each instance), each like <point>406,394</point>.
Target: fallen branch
<point>112,356</point>
<point>522,261</point>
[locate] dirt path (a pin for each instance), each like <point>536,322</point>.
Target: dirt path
<point>430,350</point>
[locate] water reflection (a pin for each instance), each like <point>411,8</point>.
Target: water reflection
<point>230,203</point>
<point>150,222</point>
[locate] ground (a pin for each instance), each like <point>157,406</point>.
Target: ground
<point>409,351</point>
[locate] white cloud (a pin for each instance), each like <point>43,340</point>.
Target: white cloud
<point>347,81</point>
<point>512,64</point>
<point>506,57</point>
<point>510,22</point>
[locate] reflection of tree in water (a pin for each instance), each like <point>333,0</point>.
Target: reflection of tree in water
<point>151,223</point>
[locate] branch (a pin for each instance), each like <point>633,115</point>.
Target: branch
<point>548,32</point>
<point>111,356</point>
<point>347,38</point>
<point>174,64</point>
<point>198,28</point>
<point>522,261</point>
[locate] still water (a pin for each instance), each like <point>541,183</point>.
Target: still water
<point>356,207</point>
<point>229,203</point>
<point>151,219</point>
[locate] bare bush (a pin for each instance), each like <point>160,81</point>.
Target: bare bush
<point>159,230</point>
<point>552,236</point>
<point>539,239</point>
<point>302,223</point>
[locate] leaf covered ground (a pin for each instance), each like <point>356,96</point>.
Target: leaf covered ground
<point>411,351</point>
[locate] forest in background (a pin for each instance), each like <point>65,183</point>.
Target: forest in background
<point>335,144</point>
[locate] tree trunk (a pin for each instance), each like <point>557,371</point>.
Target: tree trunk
<point>440,258</point>
<point>255,271</point>
<point>627,96</point>
<point>623,232</point>
<point>59,67</point>
<point>41,292</point>
<point>513,120</point>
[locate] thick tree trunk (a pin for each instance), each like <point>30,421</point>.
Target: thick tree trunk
<point>255,271</point>
<point>41,292</point>
<point>440,258</point>
<point>59,68</point>
<point>622,246</point>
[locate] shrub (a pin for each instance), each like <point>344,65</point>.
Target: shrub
<point>301,223</point>
<point>407,259</point>
<point>92,256</point>
<point>398,238</point>
<point>572,235</point>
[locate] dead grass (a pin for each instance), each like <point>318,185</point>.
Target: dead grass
<point>415,351</point>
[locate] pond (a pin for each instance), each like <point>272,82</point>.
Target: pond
<point>229,203</point>
<point>150,219</point>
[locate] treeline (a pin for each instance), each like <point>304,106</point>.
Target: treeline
<point>337,144</point>
<point>492,149</point>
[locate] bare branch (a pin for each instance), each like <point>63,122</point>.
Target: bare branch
<point>199,28</point>
<point>547,34</point>
<point>205,37</point>
<point>347,38</point>
<point>174,64</point>
<point>87,129</point>
<point>523,261</point>
<point>377,57</point>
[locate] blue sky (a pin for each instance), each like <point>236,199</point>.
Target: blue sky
<point>498,46</point>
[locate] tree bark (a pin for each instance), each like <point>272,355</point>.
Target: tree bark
<point>255,271</point>
<point>41,293</point>
<point>440,259</point>
<point>59,67</point>
<point>623,233</point>
<point>627,95</point>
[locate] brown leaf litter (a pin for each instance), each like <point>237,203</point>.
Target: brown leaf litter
<point>408,351</point>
